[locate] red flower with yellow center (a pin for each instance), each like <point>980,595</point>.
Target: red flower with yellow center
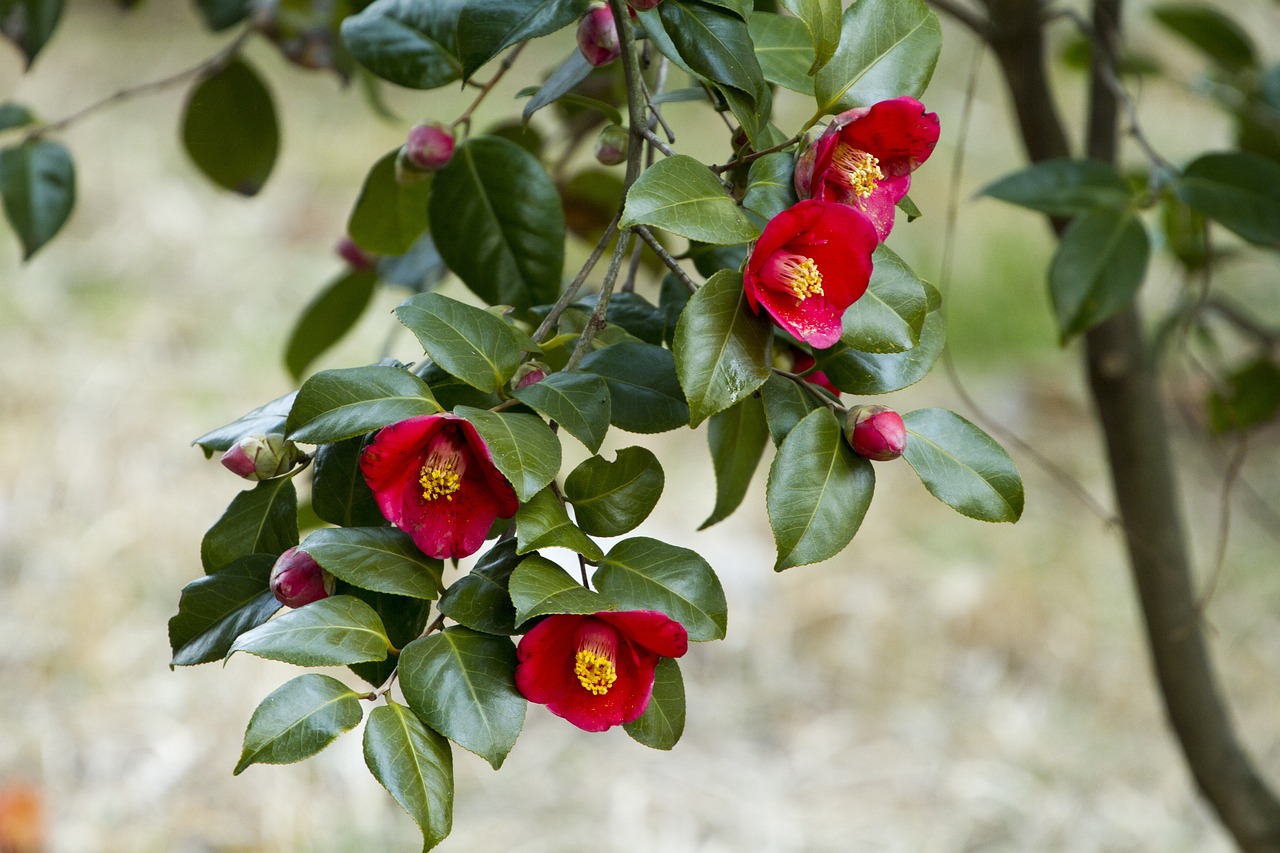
<point>811,263</point>
<point>597,671</point>
<point>432,477</point>
<point>866,156</point>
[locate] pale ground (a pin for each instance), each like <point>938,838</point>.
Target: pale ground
<point>944,685</point>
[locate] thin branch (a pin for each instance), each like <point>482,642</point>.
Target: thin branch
<point>571,292</point>
<point>507,61</point>
<point>596,323</point>
<point>656,142</point>
<point>756,155</point>
<point>672,264</point>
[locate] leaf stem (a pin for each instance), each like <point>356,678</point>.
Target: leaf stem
<point>571,292</point>
<point>672,264</point>
<point>596,323</point>
<point>756,155</point>
<point>507,61</point>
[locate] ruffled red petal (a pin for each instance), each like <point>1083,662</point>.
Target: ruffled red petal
<point>546,656</point>
<point>897,131</point>
<point>650,629</point>
<point>395,456</point>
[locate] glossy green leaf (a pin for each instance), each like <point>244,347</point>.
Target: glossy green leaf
<point>487,27</point>
<point>540,587</point>
<point>222,14</point>
<point>1062,187</point>
<point>415,765</point>
<point>480,599</point>
<point>681,195</point>
<point>887,48</point>
<point>1211,32</point>
<point>962,466</point>
<point>737,437</point>
<point>818,492</point>
<point>579,402</point>
<point>338,404</point>
<point>216,609</point>
<point>722,348</point>
<point>637,315</point>
<point>715,44</point>
<point>1250,396</point>
<point>784,49</point>
<point>753,115</point>
<point>560,83</point>
<point>38,187</point>
<point>381,559</point>
<point>543,522</point>
<point>461,683</point>
<point>662,723</point>
<point>333,631</point>
<point>856,372</point>
<point>770,189</point>
<point>644,392</point>
<point>890,315</point>
<point>339,493</point>
<point>478,347</point>
<point>406,42</point>
<point>327,318</point>
<point>611,498</point>
<point>498,223</point>
<point>785,405</point>
<point>646,574</point>
<point>389,217</point>
<point>404,619</point>
<point>822,17</point>
<point>1238,189</point>
<point>523,447</point>
<point>267,418</point>
<point>1097,269</point>
<point>29,24</point>
<point>229,128</point>
<point>298,719</point>
<point>261,520</point>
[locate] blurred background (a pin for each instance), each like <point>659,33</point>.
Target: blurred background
<point>943,685</point>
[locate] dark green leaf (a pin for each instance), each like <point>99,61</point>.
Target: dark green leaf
<point>487,27</point>
<point>579,402</point>
<point>646,574</point>
<point>524,448</point>
<point>662,723</point>
<point>856,372</point>
<point>1063,187</point>
<point>1214,34</point>
<point>15,115</point>
<point>784,50</point>
<point>381,559</point>
<point>339,493</point>
<point>715,45</point>
<point>480,600</point>
<point>406,42</point>
<point>890,315</point>
<point>338,404</point>
<point>672,298</point>
<point>1097,269</point>
<point>415,765</point>
<point>681,195</point>
<point>785,405</point>
<point>822,17</point>
<point>222,14</point>
<point>1251,396</point>
<point>478,347</point>
<point>1239,190</point>
<point>562,81</point>
<point>38,185</point>
<point>216,609</point>
<point>611,498</point>
<point>261,520</point>
<point>540,587</point>
<point>298,719</point>
<point>389,217</point>
<point>753,115</point>
<point>637,315</point>
<point>418,269</point>
<point>1186,232</point>
<point>888,48</point>
<point>543,522</point>
<point>229,128</point>
<point>962,466</point>
<point>737,437</point>
<point>267,418</point>
<point>330,315</point>
<point>333,631</point>
<point>29,24</point>
<point>402,617</point>
<point>769,185</point>
<point>644,393</point>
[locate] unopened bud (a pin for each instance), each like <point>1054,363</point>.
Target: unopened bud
<point>529,373</point>
<point>297,579</point>
<point>429,146</point>
<point>262,457</point>
<point>407,174</point>
<point>598,36</point>
<point>876,432</point>
<point>356,258</point>
<point>611,145</point>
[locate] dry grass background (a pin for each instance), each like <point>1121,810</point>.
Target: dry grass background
<point>943,685</point>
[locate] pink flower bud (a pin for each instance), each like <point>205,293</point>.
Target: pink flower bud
<point>297,579</point>
<point>262,457</point>
<point>876,432</point>
<point>356,258</point>
<point>598,36</point>
<point>611,145</point>
<point>429,146</point>
<point>529,374</point>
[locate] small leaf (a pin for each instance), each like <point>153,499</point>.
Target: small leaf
<point>540,587</point>
<point>962,466</point>
<point>14,115</point>
<point>480,600</point>
<point>568,74</point>
<point>1214,34</point>
<point>818,492</point>
<point>29,24</point>
<point>1097,269</point>
<point>644,392</point>
<point>646,574</point>
<point>474,345</point>
<point>822,17</point>
<point>542,522</point>
<point>715,45</point>
<point>415,765</point>
<point>38,186</point>
<point>611,498</point>
<point>333,631</point>
<point>524,448</point>
<point>579,402</point>
<point>462,684</point>
<point>229,128</point>
<point>890,315</point>
<point>662,723</point>
<point>261,520</point>
<point>770,189</point>
<point>339,493</point>
<point>222,14</point>
<point>887,48</point>
<point>737,437</point>
<point>785,405</point>
<point>389,217</point>
<point>487,27</point>
<point>1251,396</point>
<point>784,50</point>
<point>216,609</point>
<point>681,195</point>
<point>327,318</point>
<point>405,42</point>
<point>1062,187</point>
<point>298,719</point>
<point>338,404</point>
<point>1239,190</point>
<point>856,372</point>
<point>381,559</point>
<point>267,418</point>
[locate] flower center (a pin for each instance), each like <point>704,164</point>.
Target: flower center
<point>862,170</point>
<point>441,474</point>
<point>798,273</point>
<point>593,664</point>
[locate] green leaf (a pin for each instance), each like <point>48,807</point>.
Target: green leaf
<point>267,418</point>
<point>415,765</point>
<point>722,348</point>
<point>406,42</point>
<point>29,24</point>
<point>404,619</point>
<point>14,115</point>
<point>472,344</point>
<point>480,600</point>
<point>662,723</point>
<point>785,405</point>
<point>753,115</point>
<point>216,609</point>
<point>579,402</point>
<point>646,574</point>
<point>1097,269</point>
<point>1239,190</point>
<point>222,14</point>
<point>560,83</point>
<point>644,392</point>
<point>1214,34</point>
<point>715,45</point>
<point>770,189</point>
<point>890,315</point>
<point>737,437</point>
<point>331,314</point>
<point>540,587</point>
<point>681,195</point>
<point>1062,187</point>
<point>822,17</point>
<point>637,315</point>
<point>487,27</point>
<point>461,683</point>
<point>498,223</point>
<point>962,466</point>
<point>339,493</point>
<point>523,447</point>
<point>856,372</point>
<point>818,492</point>
<point>784,50</point>
<point>261,520</point>
<point>888,48</point>
<point>543,522</point>
<point>611,498</point>
<point>381,559</point>
<point>338,404</point>
<point>389,216</point>
<point>298,719</point>
<point>1251,396</point>
<point>229,128</point>
<point>333,631</point>
<point>38,186</point>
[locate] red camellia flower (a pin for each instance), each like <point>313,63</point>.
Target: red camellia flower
<point>433,478</point>
<point>597,671</point>
<point>811,263</point>
<point>866,156</point>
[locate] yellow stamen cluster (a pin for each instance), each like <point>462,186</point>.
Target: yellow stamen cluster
<point>595,672</point>
<point>802,276</point>
<point>860,168</point>
<point>440,478</point>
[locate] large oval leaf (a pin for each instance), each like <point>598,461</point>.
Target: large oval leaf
<point>962,466</point>
<point>389,216</point>
<point>261,520</point>
<point>716,45</point>
<point>784,50</point>
<point>1238,189</point>
<point>540,587</point>
<point>406,42</point>
<point>298,719</point>
<point>1062,187</point>
<point>523,447</point>
<point>415,765</point>
<point>1097,269</point>
<point>229,128</point>
<point>770,189</point>
<point>333,631</point>
<point>857,372</point>
<point>327,318</point>
<point>381,559</point>
<point>890,315</point>
<point>611,498</point>
<point>662,723</point>
<point>822,17</point>
<point>646,574</point>
<point>681,195</point>
<point>737,437</point>
<point>269,417</point>
<point>216,609</point>
<point>579,402</point>
<point>487,27</point>
<point>339,493</point>
<point>38,186</point>
<point>543,522</point>
<point>644,392</point>
<point>479,600</point>
<point>338,404</point>
<point>474,345</point>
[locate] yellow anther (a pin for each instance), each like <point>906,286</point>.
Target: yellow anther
<point>595,672</point>
<point>860,168</point>
<point>802,276</point>
<point>439,479</point>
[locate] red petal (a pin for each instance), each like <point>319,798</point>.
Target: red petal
<point>626,700</point>
<point>650,629</point>
<point>898,132</point>
<point>545,670</point>
<point>394,457</point>
<point>506,502</point>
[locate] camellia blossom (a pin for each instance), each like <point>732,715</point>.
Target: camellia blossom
<point>866,156</point>
<point>811,263</point>
<point>433,477</point>
<point>597,671</point>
